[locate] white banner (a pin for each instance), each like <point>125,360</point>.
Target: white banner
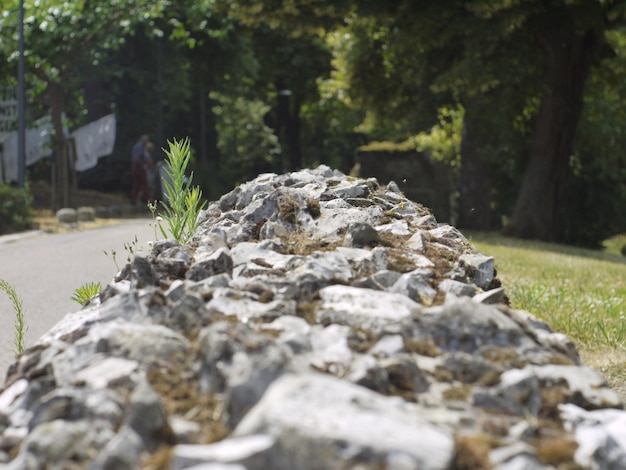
<point>38,146</point>
<point>93,141</point>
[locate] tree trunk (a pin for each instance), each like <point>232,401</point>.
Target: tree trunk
<point>282,118</point>
<point>288,126</point>
<point>567,60</point>
<point>475,177</point>
<point>293,134</point>
<point>61,183</point>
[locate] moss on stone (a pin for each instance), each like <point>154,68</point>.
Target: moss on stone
<point>558,451</point>
<point>423,347</point>
<point>472,451</point>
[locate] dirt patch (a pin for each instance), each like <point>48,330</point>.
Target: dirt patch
<point>42,197</point>
<point>45,220</point>
<point>44,217</point>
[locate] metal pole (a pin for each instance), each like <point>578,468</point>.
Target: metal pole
<point>159,137</point>
<point>21,118</point>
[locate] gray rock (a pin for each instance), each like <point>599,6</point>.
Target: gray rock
<point>248,452</point>
<point>393,187</point>
<point>142,273</point>
<point>145,416</point>
<point>600,435</point>
<point>85,214</point>
<point>239,363</point>
<point>363,307</point>
<point>229,200</point>
<point>416,242</point>
<point>106,371</point>
<point>67,215</point>
<point>123,452</point>
<point>483,267</point>
<point>102,212</point>
<point>493,296</point>
<point>463,325</point>
<point>60,441</point>
<point>415,286</point>
<point>459,289</point>
<point>397,227</point>
<point>330,349</point>
<point>210,264</point>
<point>524,390</point>
<point>360,235</point>
<point>316,419</point>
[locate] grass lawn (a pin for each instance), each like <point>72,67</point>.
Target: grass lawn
<point>579,292</point>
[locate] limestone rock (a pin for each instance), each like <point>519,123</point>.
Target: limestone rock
<point>307,415</point>
<point>314,321</point>
<point>67,215</point>
<point>85,214</point>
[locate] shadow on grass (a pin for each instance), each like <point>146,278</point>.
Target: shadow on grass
<point>496,238</point>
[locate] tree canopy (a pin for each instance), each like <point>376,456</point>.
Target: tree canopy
<point>524,99</point>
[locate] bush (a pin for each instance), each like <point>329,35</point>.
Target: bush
<point>15,209</point>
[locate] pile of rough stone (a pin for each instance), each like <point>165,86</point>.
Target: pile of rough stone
<point>314,321</point>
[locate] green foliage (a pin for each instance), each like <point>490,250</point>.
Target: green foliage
<point>15,209</point>
<point>330,120</point>
<point>301,17</point>
<point>443,141</point>
<point>18,308</point>
<point>596,189</point>
<point>615,244</point>
<point>86,292</point>
<point>67,40</point>
<point>183,201</point>
<point>61,34</point>
<point>352,72</point>
<point>251,147</point>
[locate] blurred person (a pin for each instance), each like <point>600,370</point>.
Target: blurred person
<point>139,191</point>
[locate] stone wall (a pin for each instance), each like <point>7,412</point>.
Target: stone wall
<point>315,321</point>
<point>419,177</point>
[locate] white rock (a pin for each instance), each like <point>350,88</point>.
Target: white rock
<point>101,373</point>
<point>313,417</point>
<point>366,303</point>
<point>232,450</point>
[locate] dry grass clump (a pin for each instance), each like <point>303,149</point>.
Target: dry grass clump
<point>472,451</point>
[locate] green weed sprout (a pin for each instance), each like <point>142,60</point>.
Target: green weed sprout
<point>84,293</point>
<point>183,201</point>
<point>19,316</point>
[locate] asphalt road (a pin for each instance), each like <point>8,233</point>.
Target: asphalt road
<point>46,269</point>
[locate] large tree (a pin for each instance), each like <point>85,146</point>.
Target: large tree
<point>63,39</point>
<point>570,36</point>
<point>422,56</point>
<point>293,55</point>
<point>540,53</point>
